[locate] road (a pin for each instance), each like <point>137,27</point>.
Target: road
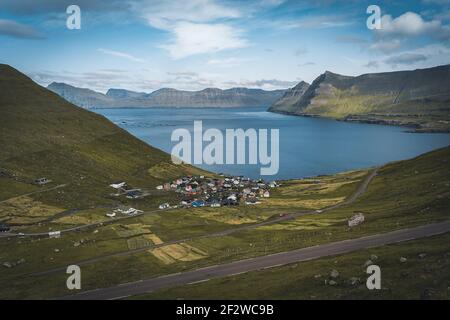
<point>243,266</point>
<point>361,189</point>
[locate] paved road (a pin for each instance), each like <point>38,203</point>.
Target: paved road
<point>361,189</point>
<point>242,266</point>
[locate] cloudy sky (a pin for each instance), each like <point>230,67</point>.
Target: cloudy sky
<point>146,45</point>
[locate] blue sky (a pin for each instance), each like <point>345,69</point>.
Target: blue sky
<point>269,44</point>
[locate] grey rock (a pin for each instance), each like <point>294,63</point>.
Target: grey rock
<point>334,273</point>
<point>332,283</point>
<point>403,259</point>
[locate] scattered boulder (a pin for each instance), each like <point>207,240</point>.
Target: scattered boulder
<point>355,220</point>
<point>317,276</point>
<point>76,244</point>
<point>56,250</point>
<point>422,255</point>
<point>332,283</point>
<point>373,257</point>
<point>20,261</point>
<point>7,265</point>
<point>403,259</point>
<point>334,273</point>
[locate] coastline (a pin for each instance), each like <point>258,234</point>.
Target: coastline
<point>413,126</point>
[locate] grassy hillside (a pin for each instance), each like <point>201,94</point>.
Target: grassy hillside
<point>418,98</point>
<point>424,275</point>
<point>403,194</point>
<point>42,135</point>
<point>287,103</point>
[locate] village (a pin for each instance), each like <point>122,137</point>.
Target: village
<point>201,191</point>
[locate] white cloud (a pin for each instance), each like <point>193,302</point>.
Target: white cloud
<point>372,64</point>
<point>163,14</point>
<point>17,30</point>
<point>197,26</point>
<point>265,84</point>
<point>198,38</point>
<point>121,55</point>
<point>405,59</point>
<point>386,45</point>
<point>317,22</point>
<point>227,62</point>
<point>395,33</point>
<point>408,24</point>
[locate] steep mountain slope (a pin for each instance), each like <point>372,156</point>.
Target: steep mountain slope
<point>288,102</point>
<point>80,96</point>
<point>419,98</point>
<point>167,97</point>
<point>43,135</point>
<point>124,94</point>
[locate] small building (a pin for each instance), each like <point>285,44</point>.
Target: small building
<point>274,184</point>
<point>266,194</point>
<point>215,203</point>
<point>54,234</point>
<point>198,203</point>
<point>130,211</point>
<point>118,185</point>
<point>134,194</point>
<point>42,181</point>
<point>164,206</point>
<point>252,201</point>
<point>4,227</point>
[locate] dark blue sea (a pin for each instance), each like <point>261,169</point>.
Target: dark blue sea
<point>308,146</point>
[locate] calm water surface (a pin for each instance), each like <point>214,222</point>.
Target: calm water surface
<point>308,146</point>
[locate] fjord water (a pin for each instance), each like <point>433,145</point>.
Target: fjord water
<point>308,146</point>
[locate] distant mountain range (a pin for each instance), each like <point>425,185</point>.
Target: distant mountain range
<point>166,97</point>
<point>418,98</point>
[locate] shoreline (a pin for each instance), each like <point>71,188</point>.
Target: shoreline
<point>414,127</point>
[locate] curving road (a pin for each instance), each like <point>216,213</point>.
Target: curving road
<point>242,266</point>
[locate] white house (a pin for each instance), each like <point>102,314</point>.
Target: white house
<point>118,185</point>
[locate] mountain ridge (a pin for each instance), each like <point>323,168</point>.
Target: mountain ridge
<point>167,97</point>
<point>415,98</point>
